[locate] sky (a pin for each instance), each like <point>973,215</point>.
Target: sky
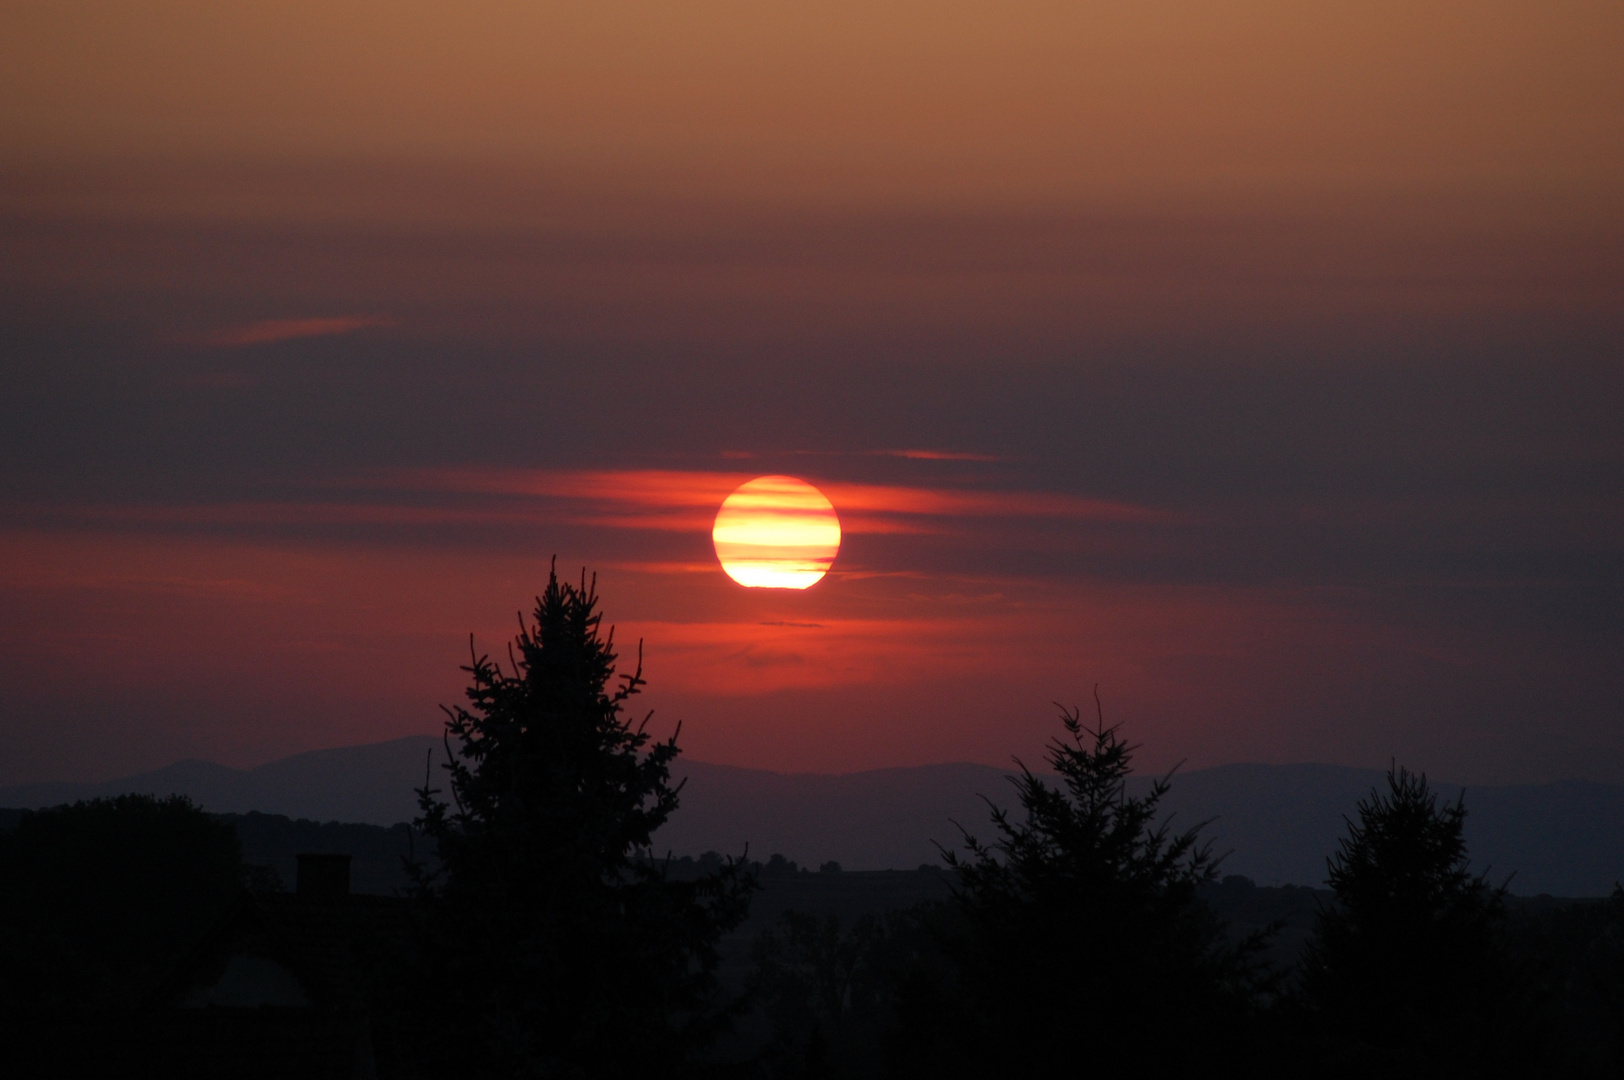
<point>1259,363</point>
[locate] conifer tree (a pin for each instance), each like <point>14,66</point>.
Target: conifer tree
<point>557,944</point>
<point>1076,937</point>
<point>1406,973</point>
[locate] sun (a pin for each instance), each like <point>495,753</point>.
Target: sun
<point>776,532</point>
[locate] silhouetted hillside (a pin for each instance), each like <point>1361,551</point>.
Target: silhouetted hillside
<point>274,840</point>
<point>886,819</point>
<point>376,852</point>
<point>371,783</point>
<point>1279,822</point>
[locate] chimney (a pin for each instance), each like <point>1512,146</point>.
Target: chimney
<point>323,877</point>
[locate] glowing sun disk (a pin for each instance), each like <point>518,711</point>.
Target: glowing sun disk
<point>776,532</point>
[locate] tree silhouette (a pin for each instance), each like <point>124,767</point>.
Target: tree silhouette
<point>1076,936</point>
<point>1406,972</point>
<point>1574,951</point>
<point>560,945</point>
<point>826,988</point>
<point>98,899</point>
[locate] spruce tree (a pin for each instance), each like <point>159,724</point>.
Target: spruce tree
<point>1406,974</point>
<point>557,945</point>
<point>1076,938</point>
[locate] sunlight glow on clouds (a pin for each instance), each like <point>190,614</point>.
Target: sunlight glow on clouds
<point>684,500</point>
<point>269,331</point>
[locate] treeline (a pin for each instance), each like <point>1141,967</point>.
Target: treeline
<point>546,939</point>
<point>1075,940</point>
<point>1078,933</point>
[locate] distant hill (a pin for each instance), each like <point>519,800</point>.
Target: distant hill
<point>1278,822</point>
<point>1281,822</point>
<point>372,783</point>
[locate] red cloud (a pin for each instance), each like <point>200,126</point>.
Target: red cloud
<point>269,330</point>
<point>657,498</point>
<point>935,455</point>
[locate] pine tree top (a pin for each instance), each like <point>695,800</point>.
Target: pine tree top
<point>544,755</point>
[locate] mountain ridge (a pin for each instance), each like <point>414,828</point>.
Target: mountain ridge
<point>1273,823</point>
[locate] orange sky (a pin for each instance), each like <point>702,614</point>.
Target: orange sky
<point>1023,102</point>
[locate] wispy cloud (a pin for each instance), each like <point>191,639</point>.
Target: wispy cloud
<point>910,454</point>
<point>936,455</point>
<point>272,330</point>
<point>252,515</point>
<point>684,500</point>
<point>649,501</point>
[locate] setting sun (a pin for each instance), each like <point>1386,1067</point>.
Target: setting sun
<point>776,532</point>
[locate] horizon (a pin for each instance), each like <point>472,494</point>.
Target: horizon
<point>1275,824</point>
<point>1009,768</point>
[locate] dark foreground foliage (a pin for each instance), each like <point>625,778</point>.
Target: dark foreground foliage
<point>1410,970</point>
<point>98,898</point>
<point>1086,937</point>
<point>1573,957</point>
<point>1078,943</point>
<point>1083,907</point>
<point>555,944</point>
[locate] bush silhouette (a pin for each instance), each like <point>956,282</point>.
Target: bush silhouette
<point>827,987</point>
<point>556,943</point>
<point>1406,973</point>
<point>98,899</point>
<point>1076,936</point>
<point>1575,952</point>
